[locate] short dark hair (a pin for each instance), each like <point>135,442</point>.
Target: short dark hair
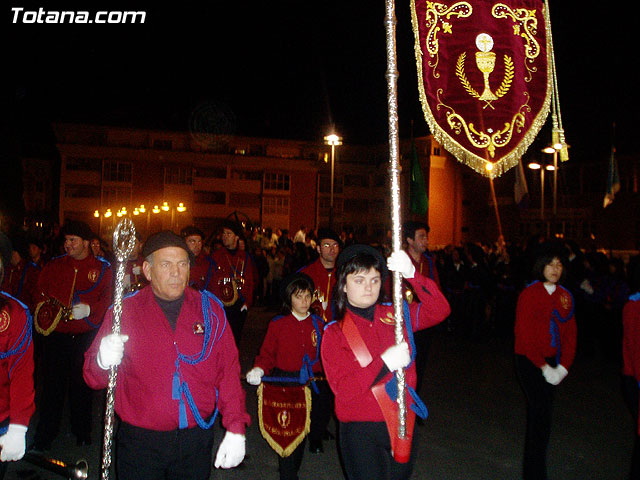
<point>410,228</point>
<point>365,258</point>
<point>545,255</point>
<point>191,230</point>
<point>298,282</point>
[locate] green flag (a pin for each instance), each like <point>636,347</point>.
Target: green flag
<point>418,191</point>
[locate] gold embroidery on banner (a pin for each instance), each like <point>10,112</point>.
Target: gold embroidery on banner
<point>489,140</point>
<point>487,96</point>
<point>526,26</point>
<point>433,19</point>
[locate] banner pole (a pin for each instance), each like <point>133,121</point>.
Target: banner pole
<point>392,103</point>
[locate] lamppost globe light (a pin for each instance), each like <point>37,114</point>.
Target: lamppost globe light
<point>534,166</point>
<point>549,149</point>
<point>550,168</point>
<point>333,139</point>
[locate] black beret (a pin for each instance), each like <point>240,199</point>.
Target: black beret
<point>191,230</point>
<point>353,251</point>
<point>292,278</point>
<point>165,239</point>
<point>328,233</point>
<point>78,229</point>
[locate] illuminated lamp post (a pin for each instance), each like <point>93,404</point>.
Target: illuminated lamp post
<point>334,140</point>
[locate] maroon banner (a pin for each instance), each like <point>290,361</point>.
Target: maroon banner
<point>284,416</point>
<point>484,77</point>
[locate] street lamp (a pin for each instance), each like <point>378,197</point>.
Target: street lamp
<point>553,150</point>
<point>333,140</point>
<point>538,166</point>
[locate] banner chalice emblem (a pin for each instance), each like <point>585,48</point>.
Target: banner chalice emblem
<point>486,62</point>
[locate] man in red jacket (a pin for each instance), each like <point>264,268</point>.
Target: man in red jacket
<point>73,293</point>
<point>203,268</point>
<point>235,278</point>
<point>178,365</point>
<point>321,272</point>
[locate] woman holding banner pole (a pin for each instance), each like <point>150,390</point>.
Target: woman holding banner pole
<point>361,358</point>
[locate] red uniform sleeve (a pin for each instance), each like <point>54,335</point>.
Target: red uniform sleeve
<point>18,368</point>
<point>433,307</point>
<point>346,377</point>
<point>231,400</point>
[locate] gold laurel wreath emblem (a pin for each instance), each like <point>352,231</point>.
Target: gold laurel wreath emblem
<point>504,87</point>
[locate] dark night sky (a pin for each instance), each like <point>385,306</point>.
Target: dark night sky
<point>286,69</point>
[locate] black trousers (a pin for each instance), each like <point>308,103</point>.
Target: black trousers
<point>539,395</point>
<point>62,361</point>
<point>366,453</point>
<point>236,320</point>
<point>290,465</point>
<point>143,454</point>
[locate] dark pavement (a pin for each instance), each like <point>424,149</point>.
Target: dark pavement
<point>475,429</point>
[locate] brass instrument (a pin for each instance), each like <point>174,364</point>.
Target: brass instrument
<point>79,471</point>
<point>49,313</point>
<point>64,312</point>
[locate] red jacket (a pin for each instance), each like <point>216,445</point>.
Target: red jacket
<point>324,281</point>
<point>145,376</point>
<point>20,281</point>
<point>351,383</point>
<point>535,320</point>
<point>287,341</point>
<point>238,265</point>
<point>83,281</point>
<point>16,363</point>
<point>201,273</point>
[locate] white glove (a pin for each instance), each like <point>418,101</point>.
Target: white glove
<point>80,310</point>
<point>586,286</point>
<point>551,375</point>
<point>562,373</point>
<point>136,270</point>
<point>13,443</point>
<point>254,376</point>
<point>400,262</point>
<point>231,451</point>
<point>397,356</point>
<point>111,350</point>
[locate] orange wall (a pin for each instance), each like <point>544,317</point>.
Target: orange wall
<point>445,202</point>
